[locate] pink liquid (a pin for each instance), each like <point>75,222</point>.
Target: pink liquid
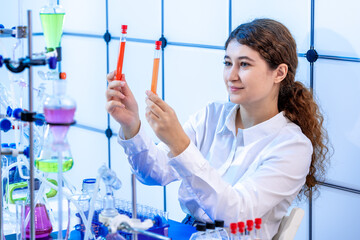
<point>43,226</point>
<point>59,115</point>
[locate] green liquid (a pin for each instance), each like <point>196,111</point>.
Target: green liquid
<point>51,165</point>
<point>52,24</point>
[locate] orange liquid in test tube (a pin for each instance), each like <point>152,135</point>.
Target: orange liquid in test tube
<point>121,52</point>
<point>155,75</point>
<point>156,67</point>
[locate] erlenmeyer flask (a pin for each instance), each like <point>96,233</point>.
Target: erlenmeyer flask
<point>52,20</point>
<point>43,226</point>
<point>49,155</point>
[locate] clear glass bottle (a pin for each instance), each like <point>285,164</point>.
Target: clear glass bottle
<point>219,226</point>
<point>211,231</point>
<point>200,233</point>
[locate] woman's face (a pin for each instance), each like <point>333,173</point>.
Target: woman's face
<point>248,78</point>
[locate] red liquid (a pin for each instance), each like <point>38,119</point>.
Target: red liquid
<point>120,61</point>
<point>59,115</point>
<point>43,226</point>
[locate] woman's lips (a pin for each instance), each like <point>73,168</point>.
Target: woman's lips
<point>234,89</point>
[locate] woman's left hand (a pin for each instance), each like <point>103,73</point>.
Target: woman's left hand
<point>163,120</point>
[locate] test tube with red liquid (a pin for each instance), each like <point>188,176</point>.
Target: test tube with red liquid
<point>121,52</point>
<point>156,66</point>
<point>257,229</point>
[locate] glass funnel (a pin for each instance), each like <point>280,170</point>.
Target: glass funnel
<point>59,110</point>
<point>49,155</point>
<point>52,20</point>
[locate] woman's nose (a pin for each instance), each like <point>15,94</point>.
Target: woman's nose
<point>233,74</point>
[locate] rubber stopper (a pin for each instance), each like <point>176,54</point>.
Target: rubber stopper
<point>17,113</point>
<point>62,75</point>
<point>123,29</point>
<point>250,225</point>
<point>257,223</point>
<point>158,45</point>
<point>233,228</point>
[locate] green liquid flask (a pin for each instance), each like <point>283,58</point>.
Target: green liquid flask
<point>52,20</point>
<point>49,155</point>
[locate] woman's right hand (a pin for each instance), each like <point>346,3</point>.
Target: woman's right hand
<point>122,106</point>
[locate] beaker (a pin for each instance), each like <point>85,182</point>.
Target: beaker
<point>52,20</point>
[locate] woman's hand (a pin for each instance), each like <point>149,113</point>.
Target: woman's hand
<point>122,106</point>
<point>163,120</point>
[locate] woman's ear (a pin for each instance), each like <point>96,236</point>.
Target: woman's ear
<point>281,72</point>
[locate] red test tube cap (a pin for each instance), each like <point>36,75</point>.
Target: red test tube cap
<point>124,29</point>
<point>241,226</point>
<point>62,75</point>
<point>233,228</point>
<point>158,45</point>
<point>249,225</point>
<point>257,223</point>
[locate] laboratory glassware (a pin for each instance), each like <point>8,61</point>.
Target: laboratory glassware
<point>200,233</point>
<point>257,229</point>
<point>155,72</point>
<point>43,226</point>
<point>241,226</point>
<point>52,20</point>
<point>121,52</point>
<point>219,226</point>
<point>234,231</point>
<point>111,182</point>
<point>249,229</point>
<point>211,232</point>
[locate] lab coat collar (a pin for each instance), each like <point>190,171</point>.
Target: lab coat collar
<point>256,132</point>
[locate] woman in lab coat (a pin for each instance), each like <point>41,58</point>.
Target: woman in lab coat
<point>244,159</point>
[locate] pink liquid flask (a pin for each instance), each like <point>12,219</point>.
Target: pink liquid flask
<point>43,226</point>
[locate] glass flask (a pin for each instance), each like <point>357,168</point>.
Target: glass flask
<point>43,226</point>
<point>50,153</point>
<point>59,110</point>
<point>52,20</point>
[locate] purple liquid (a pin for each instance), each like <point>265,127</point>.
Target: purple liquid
<point>59,115</point>
<point>43,226</point>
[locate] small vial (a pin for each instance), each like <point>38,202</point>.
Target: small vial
<point>241,226</point>
<point>200,234</point>
<point>257,229</point>
<point>219,226</point>
<point>234,231</point>
<point>211,232</point>
<point>249,228</point>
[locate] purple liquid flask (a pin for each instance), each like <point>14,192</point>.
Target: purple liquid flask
<point>43,226</point>
<point>59,109</point>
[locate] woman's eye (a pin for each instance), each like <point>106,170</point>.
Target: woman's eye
<point>244,64</point>
<point>226,63</point>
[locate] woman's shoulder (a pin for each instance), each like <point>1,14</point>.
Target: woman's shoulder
<point>292,132</point>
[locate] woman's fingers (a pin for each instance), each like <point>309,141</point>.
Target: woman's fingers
<point>114,94</point>
<point>158,101</point>
<point>111,106</point>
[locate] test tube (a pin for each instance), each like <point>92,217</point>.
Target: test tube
<point>121,52</point>
<point>156,66</point>
<point>257,229</point>
<point>249,228</point>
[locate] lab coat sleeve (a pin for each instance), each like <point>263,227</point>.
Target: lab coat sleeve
<point>150,161</point>
<point>282,173</point>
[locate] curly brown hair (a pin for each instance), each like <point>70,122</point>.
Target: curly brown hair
<point>276,45</point>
